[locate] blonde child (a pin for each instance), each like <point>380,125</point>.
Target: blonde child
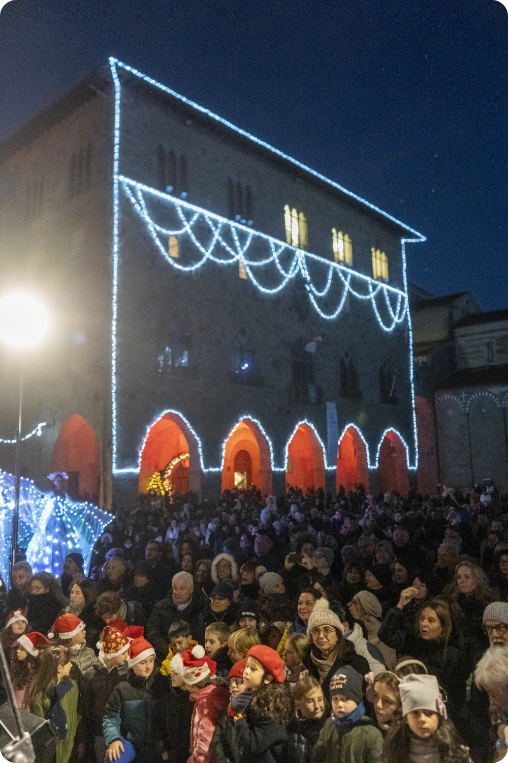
<point>240,642</point>
<point>296,643</point>
<point>216,647</point>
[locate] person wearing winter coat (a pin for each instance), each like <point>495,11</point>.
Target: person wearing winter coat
<point>304,729</point>
<point>329,650</point>
<point>263,710</point>
<point>70,631</point>
<point>182,604</point>
<point>470,589</point>
<point>365,649</point>
<point>222,608</point>
<point>216,647</point>
<point>366,607</point>
<point>99,683</point>
<point>224,567</point>
<point>273,600</point>
<point>176,710</point>
<point>83,596</point>
<point>224,742</point>
<point>210,702</point>
<point>433,642</point>
<point>349,735</point>
<point>45,602</point>
<point>132,712</point>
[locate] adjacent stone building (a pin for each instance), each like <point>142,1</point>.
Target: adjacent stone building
<point>461,380</point>
<point>222,315</point>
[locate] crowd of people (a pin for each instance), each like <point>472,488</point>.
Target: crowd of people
<point>310,628</point>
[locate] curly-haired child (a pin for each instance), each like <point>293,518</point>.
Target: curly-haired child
<point>264,709</point>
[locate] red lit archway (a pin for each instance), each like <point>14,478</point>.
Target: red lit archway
<point>76,453</point>
<point>170,437</point>
<point>352,465</point>
<point>247,458</point>
<point>305,461</point>
<point>392,473</point>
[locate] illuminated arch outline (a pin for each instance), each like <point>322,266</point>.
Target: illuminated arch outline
<point>404,443</point>
<point>243,420</point>
<point>320,441</point>
<point>114,64</point>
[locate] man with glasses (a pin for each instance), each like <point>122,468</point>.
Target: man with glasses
<point>475,727</point>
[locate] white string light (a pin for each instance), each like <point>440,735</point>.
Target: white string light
<point>36,431</point>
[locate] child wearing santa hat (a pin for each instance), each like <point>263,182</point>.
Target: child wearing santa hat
<point>26,664</point>
<point>263,709</point>
<point>69,631</point>
<point>15,625</point>
<point>196,671</point>
<point>132,723</point>
<point>99,683</point>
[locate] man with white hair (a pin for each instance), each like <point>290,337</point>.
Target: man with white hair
<point>182,603</point>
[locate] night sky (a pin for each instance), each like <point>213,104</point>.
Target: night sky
<point>404,103</point>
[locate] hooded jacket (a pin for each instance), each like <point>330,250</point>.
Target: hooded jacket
<point>228,558</point>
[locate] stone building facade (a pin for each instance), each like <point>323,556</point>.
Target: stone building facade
<point>461,381</point>
<point>222,315</point>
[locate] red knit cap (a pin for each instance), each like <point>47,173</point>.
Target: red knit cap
<point>32,642</point>
<point>113,643</point>
<point>66,626</point>
<point>139,650</point>
<point>270,660</point>
<point>237,669</point>
<point>15,617</point>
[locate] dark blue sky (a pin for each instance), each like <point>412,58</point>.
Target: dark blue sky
<point>404,103</point>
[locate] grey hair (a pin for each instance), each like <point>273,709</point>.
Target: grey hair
<point>492,670</point>
<point>184,577</point>
<point>452,545</point>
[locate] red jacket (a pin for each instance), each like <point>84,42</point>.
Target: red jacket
<point>211,703</point>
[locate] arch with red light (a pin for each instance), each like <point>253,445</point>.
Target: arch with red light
<point>246,458</point>
<point>170,449</point>
<point>76,452</point>
<point>305,463</point>
<point>352,461</point>
<point>392,468</point>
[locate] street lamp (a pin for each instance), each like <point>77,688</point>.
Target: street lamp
<point>23,324</point>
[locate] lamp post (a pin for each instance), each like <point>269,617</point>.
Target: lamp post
<point>23,324</point>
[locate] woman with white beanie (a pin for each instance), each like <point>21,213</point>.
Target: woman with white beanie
<point>329,650</point>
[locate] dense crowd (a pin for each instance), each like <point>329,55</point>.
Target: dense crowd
<point>357,628</point>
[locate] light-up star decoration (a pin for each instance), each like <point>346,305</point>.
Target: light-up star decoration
<point>50,526</point>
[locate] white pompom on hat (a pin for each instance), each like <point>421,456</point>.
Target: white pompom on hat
<point>15,617</point>
<point>193,665</point>
<point>323,615</point>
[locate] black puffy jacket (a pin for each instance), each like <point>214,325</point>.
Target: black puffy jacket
<point>302,737</point>
<point>97,687</point>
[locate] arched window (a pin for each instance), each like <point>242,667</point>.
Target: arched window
<point>295,224</point>
<point>342,247</point>
<point>379,265</point>
<point>173,247</point>
<point>387,385</point>
<point>348,378</point>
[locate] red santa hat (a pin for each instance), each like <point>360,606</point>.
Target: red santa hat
<point>193,665</point>
<point>15,617</point>
<point>66,626</point>
<point>32,642</point>
<point>134,631</point>
<point>120,625</point>
<point>113,643</point>
<point>139,650</point>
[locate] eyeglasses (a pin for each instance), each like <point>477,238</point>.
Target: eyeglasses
<point>326,631</point>
<point>501,628</point>
<point>317,556</point>
<point>236,681</point>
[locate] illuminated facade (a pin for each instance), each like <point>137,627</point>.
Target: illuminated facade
<point>257,312</point>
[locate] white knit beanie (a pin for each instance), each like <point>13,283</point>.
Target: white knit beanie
<point>269,580</point>
<point>323,615</point>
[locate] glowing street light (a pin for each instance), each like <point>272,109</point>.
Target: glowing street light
<point>24,323</point>
<point>23,320</point>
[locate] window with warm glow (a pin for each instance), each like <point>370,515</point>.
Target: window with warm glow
<point>295,224</point>
<point>242,270</point>
<point>342,247</point>
<point>379,265</point>
<point>173,247</point>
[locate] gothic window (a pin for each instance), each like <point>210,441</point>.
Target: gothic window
<point>342,247</point>
<point>295,224</point>
<point>240,202</point>
<point>379,265</point>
